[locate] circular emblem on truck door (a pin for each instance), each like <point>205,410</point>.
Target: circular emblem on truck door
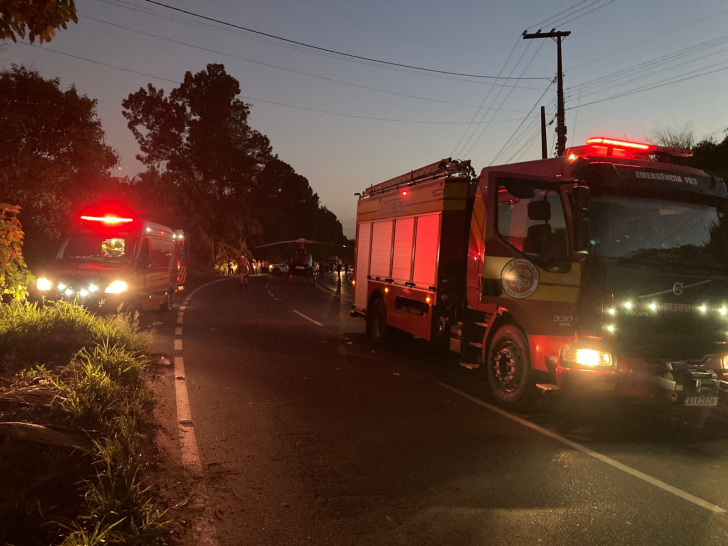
<point>519,278</point>
<point>677,288</point>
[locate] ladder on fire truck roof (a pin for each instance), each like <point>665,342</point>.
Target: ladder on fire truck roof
<point>443,167</point>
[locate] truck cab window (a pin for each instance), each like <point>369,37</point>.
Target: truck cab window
<point>534,226</point>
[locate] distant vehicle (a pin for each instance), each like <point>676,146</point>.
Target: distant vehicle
<point>278,269</point>
<point>600,273</point>
<point>108,260</point>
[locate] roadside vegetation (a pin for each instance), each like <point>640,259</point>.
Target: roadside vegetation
<point>72,399</point>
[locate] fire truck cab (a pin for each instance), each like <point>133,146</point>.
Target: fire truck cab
<point>109,260</point>
<point>599,273</point>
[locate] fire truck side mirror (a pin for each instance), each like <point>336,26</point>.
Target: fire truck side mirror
<point>581,195</point>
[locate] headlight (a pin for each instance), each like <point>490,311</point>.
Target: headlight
<point>117,287</point>
<point>586,357</point>
<point>724,362</point>
<point>43,284</point>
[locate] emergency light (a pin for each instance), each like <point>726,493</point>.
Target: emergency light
<point>612,147</point>
<point>107,219</point>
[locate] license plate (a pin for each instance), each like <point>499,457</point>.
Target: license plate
<point>701,401</point>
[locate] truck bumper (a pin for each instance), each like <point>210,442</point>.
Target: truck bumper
<point>635,378</point>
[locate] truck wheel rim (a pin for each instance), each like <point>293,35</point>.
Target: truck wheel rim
<point>507,368</point>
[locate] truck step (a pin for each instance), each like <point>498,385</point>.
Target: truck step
<point>475,344</point>
<point>546,387</point>
<point>470,365</point>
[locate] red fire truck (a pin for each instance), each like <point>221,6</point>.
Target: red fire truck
<point>109,259</point>
<point>603,272</point>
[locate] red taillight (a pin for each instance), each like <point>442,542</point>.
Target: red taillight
<point>107,219</point>
<point>618,143</point>
<point>404,193</point>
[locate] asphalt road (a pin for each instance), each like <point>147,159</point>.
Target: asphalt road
<point>309,436</point>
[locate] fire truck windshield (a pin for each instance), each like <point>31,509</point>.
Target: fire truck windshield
<point>657,231</point>
<point>98,247</point>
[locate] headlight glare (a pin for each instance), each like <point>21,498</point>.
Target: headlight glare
<point>43,284</point>
<point>117,287</point>
<point>585,357</point>
<point>724,362</point>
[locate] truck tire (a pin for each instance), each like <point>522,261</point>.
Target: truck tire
<point>380,333</point>
<point>511,379</point>
<point>167,305</point>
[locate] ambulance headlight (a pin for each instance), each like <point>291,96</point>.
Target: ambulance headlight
<point>589,358</point>
<point>43,284</point>
<point>117,287</point>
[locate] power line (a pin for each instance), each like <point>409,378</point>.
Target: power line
<point>603,5</point>
<point>482,131</point>
<point>427,122</point>
<point>521,125</point>
<point>300,72</point>
<point>206,26</point>
<point>653,86</point>
<point>475,115</point>
<point>657,61</point>
<point>649,39</point>
<point>351,55</point>
<point>602,87</point>
<point>539,25</point>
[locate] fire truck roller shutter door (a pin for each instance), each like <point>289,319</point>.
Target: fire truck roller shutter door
<point>403,241</point>
<point>381,249</point>
<point>361,270</point>
<point>426,250</point>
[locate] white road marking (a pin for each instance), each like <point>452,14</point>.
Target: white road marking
<point>180,320</point>
<point>177,344</point>
<point>178,331</point>
<point>187,440</point>
<point>603,458</point>
<point>183,307</point>
<point>307,318</point>
<point>271,294</point>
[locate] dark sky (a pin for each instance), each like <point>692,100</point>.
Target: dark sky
<point>341,155</point>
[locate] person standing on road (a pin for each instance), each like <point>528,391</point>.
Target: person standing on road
<point>338,270</point>
<point>346,271</point>
<point>230,267</point>
<point>243,272</point>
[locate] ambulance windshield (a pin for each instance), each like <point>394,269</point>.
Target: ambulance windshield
<point>99,247</point>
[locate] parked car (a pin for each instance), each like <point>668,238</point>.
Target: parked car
<point>278,269</point>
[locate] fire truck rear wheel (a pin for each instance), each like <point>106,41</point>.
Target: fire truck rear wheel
<point>511,380</point>
<point>380,333</point>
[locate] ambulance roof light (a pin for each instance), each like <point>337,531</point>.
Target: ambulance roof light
<point>107,219</point>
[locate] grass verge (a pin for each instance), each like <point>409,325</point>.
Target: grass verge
<point>86,375</point>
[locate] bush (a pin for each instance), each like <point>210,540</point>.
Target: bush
<point>96,367</point>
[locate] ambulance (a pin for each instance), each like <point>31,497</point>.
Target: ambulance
<point>112,261</point>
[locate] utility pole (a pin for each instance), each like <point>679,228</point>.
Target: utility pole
<point>560,116</point>
<point>544,141</point>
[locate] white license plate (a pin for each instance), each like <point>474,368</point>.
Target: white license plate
<point>701,401</point>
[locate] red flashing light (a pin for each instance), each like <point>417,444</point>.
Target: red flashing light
<point>404,193</point>
<point>619,143</point>
<point>107,219</point>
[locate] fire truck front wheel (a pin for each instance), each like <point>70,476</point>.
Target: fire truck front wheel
<point>511,379</point>
<point>380,333</point>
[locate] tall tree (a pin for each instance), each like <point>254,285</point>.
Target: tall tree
<point>52,155</point>
<point>37,18</point>
<point>200,139</point>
